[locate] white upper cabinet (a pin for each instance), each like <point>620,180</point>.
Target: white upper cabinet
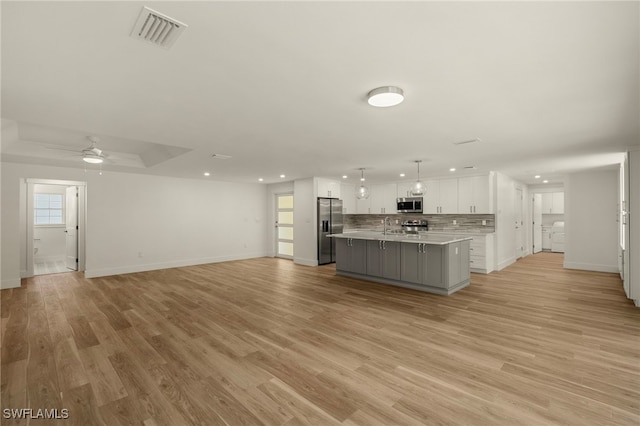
<point>363,206</point>
<point>557,203</point>
<point>553,203</point>
<point>348,195</point>
<point>328,188</point>
<point>441,196</point>
<point>475,195</point>
<point>383,198</point>
<point>404,189</point>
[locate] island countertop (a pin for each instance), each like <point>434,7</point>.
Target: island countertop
<point>431,239</point>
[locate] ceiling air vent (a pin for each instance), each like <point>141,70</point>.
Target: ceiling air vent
<point>157,28</point>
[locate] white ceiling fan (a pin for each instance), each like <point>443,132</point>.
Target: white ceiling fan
<point>93,154</point>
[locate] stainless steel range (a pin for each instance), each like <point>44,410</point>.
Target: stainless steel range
<point>414,226</point>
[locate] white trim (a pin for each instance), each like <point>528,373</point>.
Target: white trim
<point>95,273</point>
<point>505,263</point>
<point>10,283</point>
<point>56,182</point>
<point>591,267</point>
<point>305,262</point>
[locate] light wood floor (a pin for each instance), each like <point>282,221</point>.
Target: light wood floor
<point>50,267</point>
<point>264,341</point>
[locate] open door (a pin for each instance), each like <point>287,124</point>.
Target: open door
<point>71,228</point>
<point>537,223</point>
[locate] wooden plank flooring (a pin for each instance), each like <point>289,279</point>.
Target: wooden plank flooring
<point>264,341</point>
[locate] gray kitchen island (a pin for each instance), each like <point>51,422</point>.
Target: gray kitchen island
<point>432,263</point>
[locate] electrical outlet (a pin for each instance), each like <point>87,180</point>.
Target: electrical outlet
<point>484,222</point>
<point>455,222</point>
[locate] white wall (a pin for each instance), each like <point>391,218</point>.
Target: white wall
<point>634,226</point>
<point>168,221</point>
<point>505,221</point>
<point>305,240</point>
<point>591,229</point>
<point>273,190</point>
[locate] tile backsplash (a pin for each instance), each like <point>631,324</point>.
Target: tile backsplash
<point>437,222</point>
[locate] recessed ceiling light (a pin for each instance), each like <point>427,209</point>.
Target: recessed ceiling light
<point>545,181</point>
<point>453,169</point>
<point>344,176</point>
<point>260,179</point>
<point>282,176</point>
<point>207,174</point>
<point>385,96</point>
<point>401,174</point>
<point>537,176</point>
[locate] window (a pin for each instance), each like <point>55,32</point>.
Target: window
<point>48,210</point>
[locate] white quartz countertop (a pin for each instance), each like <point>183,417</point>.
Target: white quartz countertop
<point>436,239</point>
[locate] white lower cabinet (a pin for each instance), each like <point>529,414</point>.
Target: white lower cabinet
<point>481,252</point>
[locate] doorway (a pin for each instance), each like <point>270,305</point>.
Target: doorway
<point>519,224</point>
<point>284,226</point>
<point>55,226</point>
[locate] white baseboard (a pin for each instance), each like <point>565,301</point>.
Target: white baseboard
<point>591,267</point>
<point>305,262</point>
<point>10,283</point>
<point>505,263</point>
<point>104,272</point>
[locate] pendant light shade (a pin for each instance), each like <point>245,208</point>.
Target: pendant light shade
<point>362,193</point>
<point>418,187</point>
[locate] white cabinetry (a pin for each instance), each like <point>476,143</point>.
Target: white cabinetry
<point>404,189</point>
<point>475,195</point>
<point>328,188</point>
<point>481,252</point>
<point>383,199</point>
<point>363,206</point>
<point>441,196</point>
<point>348,195</point>
<point>553,203</point>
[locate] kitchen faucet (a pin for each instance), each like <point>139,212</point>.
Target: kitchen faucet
<point>384,232</point>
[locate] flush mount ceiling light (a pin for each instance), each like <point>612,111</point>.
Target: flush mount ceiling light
<point>385,96</point>
<point>362,193</point>
<point>418,187</point>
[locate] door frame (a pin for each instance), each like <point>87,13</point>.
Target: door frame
<point>82,207</point>
<point>276,239</point>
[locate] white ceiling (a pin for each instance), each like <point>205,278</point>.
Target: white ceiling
<point>549,87</point>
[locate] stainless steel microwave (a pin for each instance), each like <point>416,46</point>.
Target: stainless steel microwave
<point>409,205</point>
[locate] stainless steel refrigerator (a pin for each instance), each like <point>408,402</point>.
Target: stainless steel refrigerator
<point>329,222</point>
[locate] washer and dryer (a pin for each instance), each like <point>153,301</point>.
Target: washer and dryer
<point>557,237</point>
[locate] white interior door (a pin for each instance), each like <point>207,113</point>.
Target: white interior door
<point>284,226</point>
<point>519,223</point>
<point>71,228</point>
<point>537,223</point>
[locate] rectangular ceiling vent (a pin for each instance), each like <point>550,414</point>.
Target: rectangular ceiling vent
<point>157,28</point>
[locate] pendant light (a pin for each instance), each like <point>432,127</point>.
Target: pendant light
<point>418,187</point>
<point>362,193</point>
